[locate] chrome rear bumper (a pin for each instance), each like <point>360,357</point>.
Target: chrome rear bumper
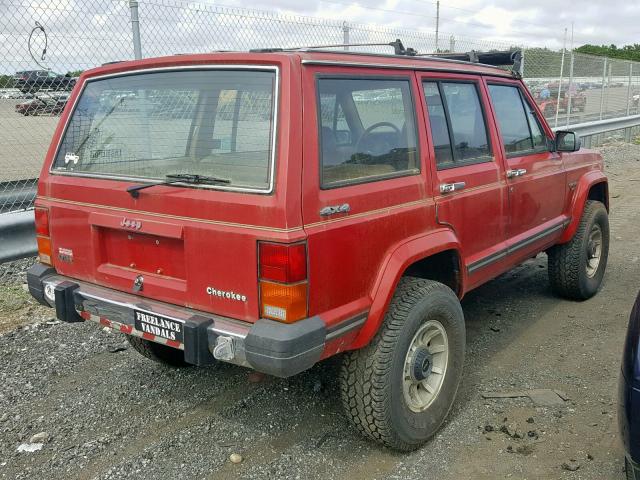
<point>268,346</point>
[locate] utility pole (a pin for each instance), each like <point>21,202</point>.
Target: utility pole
<point>437,22</point>
<point>564,50</point>
<point>135,29</point>
<point>570,92</point>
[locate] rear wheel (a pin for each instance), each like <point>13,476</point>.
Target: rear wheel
<point>157,352</point>
<point>399,389</point>
<point>631,471</point>
<point>576,268</point>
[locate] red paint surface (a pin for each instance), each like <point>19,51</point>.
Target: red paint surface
<point>209,238</point>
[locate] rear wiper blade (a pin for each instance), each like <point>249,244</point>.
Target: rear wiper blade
<point>172,178</point>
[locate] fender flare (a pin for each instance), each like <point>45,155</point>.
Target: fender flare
<point>395,265</point>
<point>586,182</point>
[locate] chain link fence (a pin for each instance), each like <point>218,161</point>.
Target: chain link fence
<point>44,46</point>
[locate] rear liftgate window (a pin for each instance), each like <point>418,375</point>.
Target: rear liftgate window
<point>144,126</point>
<point>367,130</point>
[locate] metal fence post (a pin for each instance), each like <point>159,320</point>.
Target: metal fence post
<point>345,35</point>
<point>629,90</point>
<point>555,123</point>
<point>570,89</point>
<point>452,44</point>
<point>604,78</point>
<point>135,29</point>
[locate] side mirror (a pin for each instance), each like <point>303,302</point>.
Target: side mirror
<point>567,141</point>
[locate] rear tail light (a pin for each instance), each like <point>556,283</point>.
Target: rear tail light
<point>283,263</point>
<point>283,281</point>
<point>42,235</point>
<point>42,221</point>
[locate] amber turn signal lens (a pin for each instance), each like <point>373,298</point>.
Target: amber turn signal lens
<point>44,250</point>
<point>284,303</point>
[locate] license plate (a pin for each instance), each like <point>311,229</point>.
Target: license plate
<point>159,326</point>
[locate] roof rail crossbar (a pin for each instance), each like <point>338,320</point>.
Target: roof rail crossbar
<point>398,47</point>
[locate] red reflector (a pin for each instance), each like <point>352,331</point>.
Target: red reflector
<point>283,263</point>
<point>42,221</point>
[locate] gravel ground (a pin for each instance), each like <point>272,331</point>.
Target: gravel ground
<point>108,413</point>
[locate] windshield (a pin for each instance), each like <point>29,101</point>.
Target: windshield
<point>202,122</point>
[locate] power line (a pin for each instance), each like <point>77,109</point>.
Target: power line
<point>386,10</point>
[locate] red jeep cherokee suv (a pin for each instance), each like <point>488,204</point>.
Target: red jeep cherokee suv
<point>275,208</point>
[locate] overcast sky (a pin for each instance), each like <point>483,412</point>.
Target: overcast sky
<point>528,22</point>
<point>86,33</point>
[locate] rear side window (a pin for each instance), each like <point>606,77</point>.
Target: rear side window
<point>520,129</point>
<point>367,130</point>
<point>457,124</point>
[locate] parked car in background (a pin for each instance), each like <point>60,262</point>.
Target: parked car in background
<point>547,99</point>
<point>629,395</point>
<point>36,80</point>
<point>50,104</point>
<point>272,209</point>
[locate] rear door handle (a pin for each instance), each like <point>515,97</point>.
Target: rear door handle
<point>516,173</point>
<point>452,187</point>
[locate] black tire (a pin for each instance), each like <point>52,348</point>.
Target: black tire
<point>157,352</point>
<point>372,378</point>
<point>568,262</point>
<point>631,472</point>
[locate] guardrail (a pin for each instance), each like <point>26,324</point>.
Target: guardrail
<point>17,236</point>
<point>587,129</point>
<point>17,230</point>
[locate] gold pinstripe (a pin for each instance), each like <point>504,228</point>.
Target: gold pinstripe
<point>242,225</point>
<point>371,212</point>
<point>173,217</point>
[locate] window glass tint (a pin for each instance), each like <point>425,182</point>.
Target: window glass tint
<point>206,122</point>
<point>519,127</point>
<point>539,140</point>
<point>380,105</point>
<point>367,129</point>
<point>512,119</point>
<point>468,130</point>
<point>438,125</point>
<point>332,117</point>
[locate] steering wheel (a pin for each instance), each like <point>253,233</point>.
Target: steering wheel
<point>383,146</point>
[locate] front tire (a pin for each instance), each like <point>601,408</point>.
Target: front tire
<point>576,268</point>
<point>399,389</point>
<point>157,352</point>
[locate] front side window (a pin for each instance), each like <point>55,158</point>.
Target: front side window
<point>367,130</point>
<point>519,128</point>
<point>215,123</point>
<point>456,119</point>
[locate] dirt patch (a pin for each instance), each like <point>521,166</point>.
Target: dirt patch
<point>18,308</point>
<point>110,414</point>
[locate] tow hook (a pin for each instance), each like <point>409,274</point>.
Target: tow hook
<point>224,349</point>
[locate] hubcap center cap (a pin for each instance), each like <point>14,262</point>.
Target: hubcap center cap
<point>422,364</point>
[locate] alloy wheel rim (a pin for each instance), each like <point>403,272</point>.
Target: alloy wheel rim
<point>594,250</point>
<point>425,366</point>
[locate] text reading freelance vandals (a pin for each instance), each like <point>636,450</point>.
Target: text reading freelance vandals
<point>161,327</point>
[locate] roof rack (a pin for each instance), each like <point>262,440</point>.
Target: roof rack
<point>398,47</point>
<point>494,58</point>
